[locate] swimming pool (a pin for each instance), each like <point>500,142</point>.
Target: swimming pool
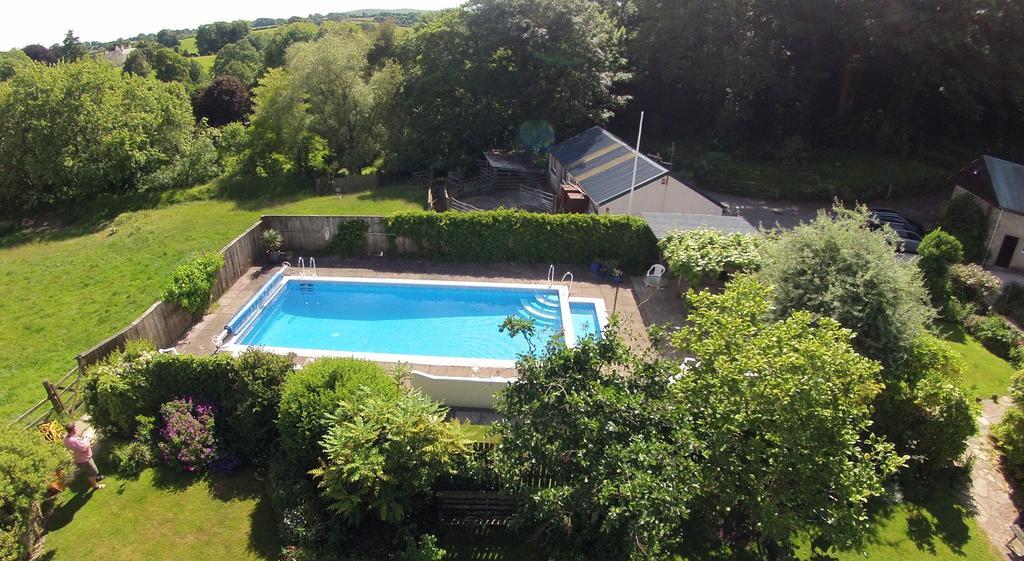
<point>423,322</point>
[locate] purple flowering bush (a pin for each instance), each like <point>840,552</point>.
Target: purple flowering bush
<point>188,440</point>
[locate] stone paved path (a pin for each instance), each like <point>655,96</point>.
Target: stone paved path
<point>991,494</point>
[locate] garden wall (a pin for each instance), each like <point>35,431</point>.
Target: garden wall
<point>314,234</point>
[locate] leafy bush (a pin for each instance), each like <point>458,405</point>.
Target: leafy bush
<point>133,456</point>
<point>972,283</point>
<point>189,442</point>
<point>528,237</point>
<point>197,164</point>
<point>607,441</point>
<point>937,252</point>
<point>191,283</point>
<point>311,394</point>
<point>965,220</point>
<point>138,380</point>
<point>1011,301</point>
<point>423,549</point>
<point>350,239</point>
<point>837,267</point>
<point>1017,357</point>
<point>698,254</point>
<point>927,414</point>
<point>1009,433</point>
<point>383,454</point>
<point>994,333</point>
<point>28,465</point>
<point>257,382</point>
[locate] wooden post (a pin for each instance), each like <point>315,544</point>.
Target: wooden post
<point>54,397</point>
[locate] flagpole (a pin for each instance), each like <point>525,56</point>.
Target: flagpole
<point>636,160</point>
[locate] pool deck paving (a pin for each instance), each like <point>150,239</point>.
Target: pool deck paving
<point>636,306</point>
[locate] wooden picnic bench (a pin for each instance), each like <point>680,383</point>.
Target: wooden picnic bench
<point>1018,536</point>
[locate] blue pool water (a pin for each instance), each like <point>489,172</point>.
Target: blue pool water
<point>408,319</point>
<point>584,319</point>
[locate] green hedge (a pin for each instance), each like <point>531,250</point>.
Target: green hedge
<point>191,283</point>
<point>350,240</point>
<point>134,383</point>
<point>527,237</point>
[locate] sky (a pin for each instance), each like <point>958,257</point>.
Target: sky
<point>24,23</point>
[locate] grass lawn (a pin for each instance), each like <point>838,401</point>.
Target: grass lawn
<point>188,44</point>
<point>480,433</point>
<point>67,290</point>
<point>164,515</point>
<point>932,527</point>
<point>985,374</point>
<point>206,62</point>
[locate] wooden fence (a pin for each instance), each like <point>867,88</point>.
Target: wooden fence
<point>314,234</point>
<point>62,398</point>
<point>347,184</point>
<point>536,200</point>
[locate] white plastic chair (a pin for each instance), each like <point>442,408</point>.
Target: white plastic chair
<point>654,276</point>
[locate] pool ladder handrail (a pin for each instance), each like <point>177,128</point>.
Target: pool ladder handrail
<point>302,266</point>
<point>551,275</point>
<point>571,280</point>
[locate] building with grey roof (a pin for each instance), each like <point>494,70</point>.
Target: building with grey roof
<point>601,165</point>
<point>662,223</point>
<point>997,185</point>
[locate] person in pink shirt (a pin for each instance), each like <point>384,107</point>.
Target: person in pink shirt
<point>82,451</point>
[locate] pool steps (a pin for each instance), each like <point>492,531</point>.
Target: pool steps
<point>544,309</point>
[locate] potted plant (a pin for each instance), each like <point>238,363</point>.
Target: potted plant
<point>616,274</point>
<point>609,269</point>
<point>596,265</point>
<point>272,241</point>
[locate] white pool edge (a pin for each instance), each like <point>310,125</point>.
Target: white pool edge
<point>568,328</point>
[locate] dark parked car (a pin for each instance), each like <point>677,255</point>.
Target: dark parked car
<point>895,219</point>
<point>908,241</point>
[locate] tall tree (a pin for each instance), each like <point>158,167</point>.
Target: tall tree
<point>211,37</point>
<point>325,101</point>
<point>837,267</point>
<point>754,388</point>
<point>168,38</point>
<point>239,59</point>
<point>224,101</point>
<point>40,53</point>
<point>284,37</point>
<point>602,426</point>
<point>514,70</point>
<point>72,49</point>
<point>137,63</point>
<point>11,61</point>
<point>859,72</point>
<point>71,131</point>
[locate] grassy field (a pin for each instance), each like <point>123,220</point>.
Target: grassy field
<point>68,289</point>
<point>986,374</point>
<point>164,515</point>
<point>206,62</point>
<point>188,44</point>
